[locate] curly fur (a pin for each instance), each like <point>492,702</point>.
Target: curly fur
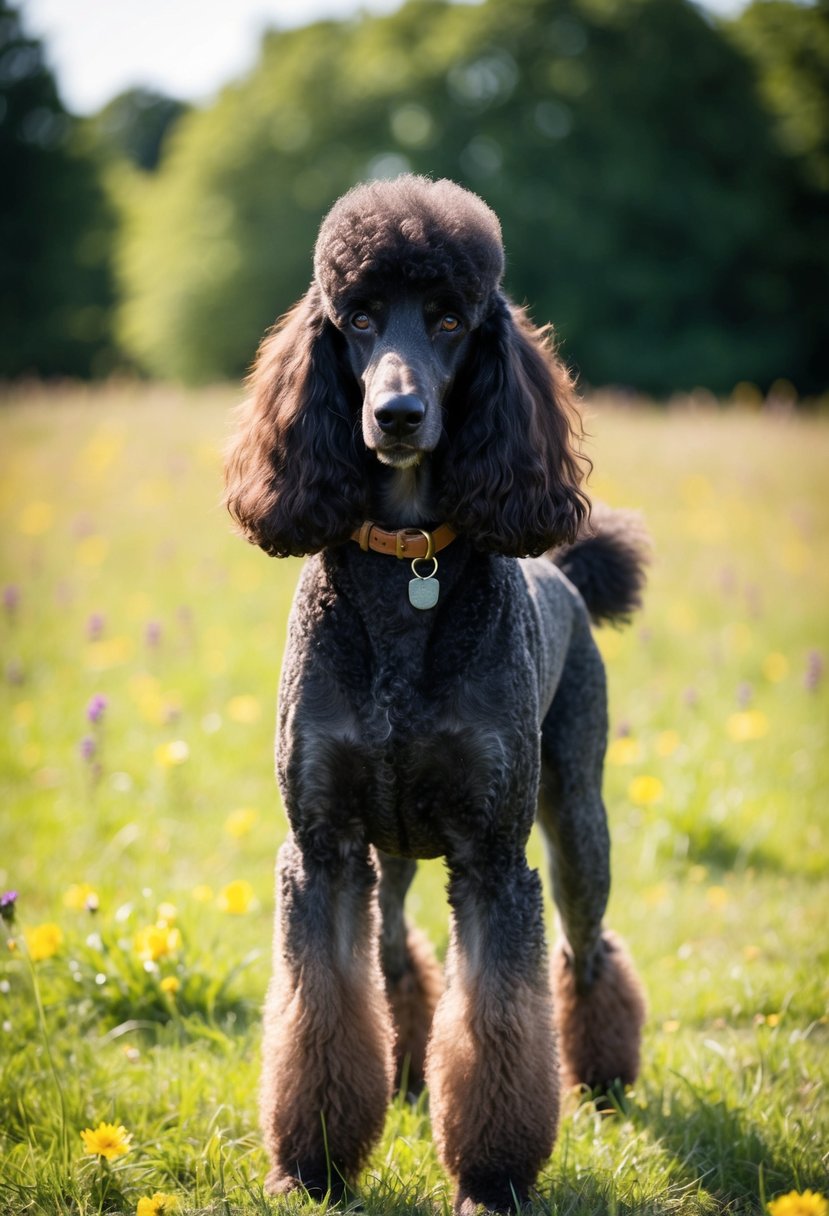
<point>405,388</point>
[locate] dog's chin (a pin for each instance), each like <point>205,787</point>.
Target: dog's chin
<point>398,458</point>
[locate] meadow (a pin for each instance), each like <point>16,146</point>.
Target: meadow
<point>141,648</point>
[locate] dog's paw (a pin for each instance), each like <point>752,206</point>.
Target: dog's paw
<point>599,1026</point>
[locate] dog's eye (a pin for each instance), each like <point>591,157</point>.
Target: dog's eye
<point>361,321</point>
<point>450,323</point>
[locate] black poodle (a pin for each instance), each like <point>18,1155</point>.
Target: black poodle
<point>410,429</point>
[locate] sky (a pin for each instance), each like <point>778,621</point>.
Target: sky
<point>185,48</point>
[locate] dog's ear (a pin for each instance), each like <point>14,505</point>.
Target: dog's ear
<point>512,473</point>
<point>293,472</point>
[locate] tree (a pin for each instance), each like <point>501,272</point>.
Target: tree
<point>646,204</point>
<point>57,295</point>
<point>135,125</point>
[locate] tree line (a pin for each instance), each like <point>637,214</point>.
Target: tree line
<point>661,176</point>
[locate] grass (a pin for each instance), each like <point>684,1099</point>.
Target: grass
<point>123,580</point>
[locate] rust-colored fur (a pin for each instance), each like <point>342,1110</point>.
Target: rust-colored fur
<point>599,1029</point>
<point>413,1000</point>
<point>494,1088</point>
<point>327,1050</point>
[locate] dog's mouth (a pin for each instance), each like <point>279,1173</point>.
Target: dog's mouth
<point>399,456</point>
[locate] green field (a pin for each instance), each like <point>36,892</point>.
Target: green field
<point>123,580</point>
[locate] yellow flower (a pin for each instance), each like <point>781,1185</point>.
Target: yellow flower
<point>747,725</point>
<point>155,941</point>
<point>624,750</point>
<point>240,822</point>
<point>80,896</point>
<point>202,893</point>
<point>667,741</point>
<point>716,897</point>
<point>671,1026</point>
<point>166,913</point>
<point>645,790</point>
<point>92,550</point>
<point>775,667</point>
<point>244,709</point>
<point>170,984</point>
<point>36,518</point>
<point>236,897</point>
<point>106,1140</point>
<point>169,755</point>
<point>43,941</point>
<point>809,1203</point>
<point>158,1204</point>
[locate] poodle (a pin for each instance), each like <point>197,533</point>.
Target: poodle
<point>412,433</point>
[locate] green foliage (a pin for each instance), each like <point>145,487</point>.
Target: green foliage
<point>121,577</point>
<point>136,125</point>
<point>56,226</point>
<point>646,206</point>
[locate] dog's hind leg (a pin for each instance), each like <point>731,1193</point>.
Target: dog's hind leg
<point>598,1000</point>
<point>327,1068</point>
<point>414,980</point>
<point>491,1067</point>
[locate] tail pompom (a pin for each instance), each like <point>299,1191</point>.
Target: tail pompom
<point>607,562</point>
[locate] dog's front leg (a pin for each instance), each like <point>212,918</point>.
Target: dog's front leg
<point>492,1069</point>
<point>327,1069</point>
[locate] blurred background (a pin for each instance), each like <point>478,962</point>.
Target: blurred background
<point>661,170</point>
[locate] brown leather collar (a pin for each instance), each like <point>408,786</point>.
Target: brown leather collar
<point>407,542</point>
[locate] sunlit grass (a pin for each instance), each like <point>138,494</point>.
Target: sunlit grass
<point>144,829</point>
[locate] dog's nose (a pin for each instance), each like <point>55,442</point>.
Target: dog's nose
<point>400,414</point>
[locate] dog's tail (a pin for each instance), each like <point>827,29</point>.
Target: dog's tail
<point>607,562</point>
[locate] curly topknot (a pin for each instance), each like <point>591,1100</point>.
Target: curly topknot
<point>413,228</point>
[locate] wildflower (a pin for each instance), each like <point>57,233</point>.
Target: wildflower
<point>625,750</point>
<point>87,747</point>
<point>244,709</point>
<point>166,913</point>
<point>667,741</point>
<point>106,1140</point>
<point>8,901</point>
<point>158,1204</point>
<point>11,599</point>
<point>36,518</point>
<point>240,822</point>
<point>716,897</point>
<point>95,626</point>
<point>796,1203</point>
<point>645,790</point>
<point>747,725</point>
<point>155,941</point>
<point>202,893</point>
<point>775,667</point>
<point>671,1026</point>
<point>814,670</point>
<point>170,755</point>
<point>236,898</point>
<point>95,708</point>
<point>152,634</point>
<point>744,694</point>
<point>81,897</point>
<point>43,941</point>
<point>170,985</point>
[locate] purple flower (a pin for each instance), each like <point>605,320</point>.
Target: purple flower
<point>814,670</point>
<point>11,598</point>
<point>87,747</point>
<point>7,906</point>
<point>153,633</point>
<point>95,626</point>
<point>95,708</point>
<point>745,694</point>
